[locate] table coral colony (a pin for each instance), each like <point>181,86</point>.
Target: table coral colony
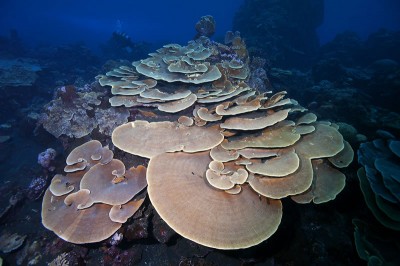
<point>220,162</point>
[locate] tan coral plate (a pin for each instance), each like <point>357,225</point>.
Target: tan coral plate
<point>210,217</point>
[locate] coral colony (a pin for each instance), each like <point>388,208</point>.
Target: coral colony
<point>222,154</point>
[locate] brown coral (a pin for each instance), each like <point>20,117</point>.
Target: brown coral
<point>205,215</point>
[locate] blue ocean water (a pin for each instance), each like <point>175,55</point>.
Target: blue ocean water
<point>60,22</point>
<point>338,60</point>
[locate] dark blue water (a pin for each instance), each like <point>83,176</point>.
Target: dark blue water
<point>166,21</point>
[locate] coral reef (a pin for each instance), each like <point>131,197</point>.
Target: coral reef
<point>236,155</point>
<point>224,148</point>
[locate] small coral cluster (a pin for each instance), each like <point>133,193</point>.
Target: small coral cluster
<point>45,158</point>
<point>36,188</point>
<point>77,114</point>
<point>94,198</point>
